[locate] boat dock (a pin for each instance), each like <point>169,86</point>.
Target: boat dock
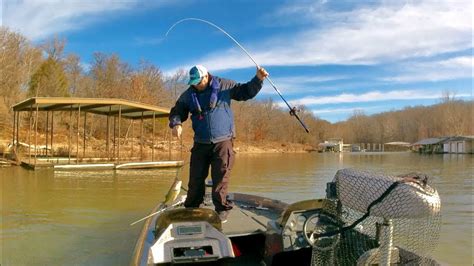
<point>42,164</point>
<point>100,134</point>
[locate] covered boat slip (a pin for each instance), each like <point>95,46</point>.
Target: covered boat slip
<point>114,120</point>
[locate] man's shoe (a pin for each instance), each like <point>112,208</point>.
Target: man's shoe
<point>223,216</point>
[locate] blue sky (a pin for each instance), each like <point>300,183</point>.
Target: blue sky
<point>332,56</point>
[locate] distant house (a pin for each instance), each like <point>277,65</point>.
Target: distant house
<point>334,145</point>
<point>431,145</point>
<point>347,147</point>
<point>356,148</point>
<point>459,144</point>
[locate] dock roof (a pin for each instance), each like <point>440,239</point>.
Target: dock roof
<point>398,143</point>
<point>459,138</point>
<point>430,141</point>
<point>100,106</point>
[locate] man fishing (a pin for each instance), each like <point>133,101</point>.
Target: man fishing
<point>208,99</point>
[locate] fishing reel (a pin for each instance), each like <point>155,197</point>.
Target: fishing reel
<point>293,111</point>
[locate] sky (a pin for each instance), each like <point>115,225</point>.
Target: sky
<point>333,57</point>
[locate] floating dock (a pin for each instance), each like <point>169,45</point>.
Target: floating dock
<point>102,166</point>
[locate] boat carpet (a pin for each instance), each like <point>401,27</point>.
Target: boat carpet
<point>245,221</point>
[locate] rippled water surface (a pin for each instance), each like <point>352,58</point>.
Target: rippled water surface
<point>82,218</point>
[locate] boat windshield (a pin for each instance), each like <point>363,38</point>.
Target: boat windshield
<point>304,206</point>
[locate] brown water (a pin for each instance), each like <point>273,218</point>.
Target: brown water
<point>82,218</point>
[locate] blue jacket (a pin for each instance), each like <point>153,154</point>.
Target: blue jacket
<point>213,122</point>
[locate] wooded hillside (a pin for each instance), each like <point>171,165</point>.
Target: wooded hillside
<point>28,70</point>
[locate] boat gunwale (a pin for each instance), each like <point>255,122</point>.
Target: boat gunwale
<point>137,256</point>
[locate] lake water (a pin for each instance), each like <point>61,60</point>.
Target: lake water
<point>82,218</point>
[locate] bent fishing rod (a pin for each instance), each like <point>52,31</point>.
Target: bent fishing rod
<point>292,109</point>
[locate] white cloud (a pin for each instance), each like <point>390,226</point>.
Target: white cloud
<point>300,79</point>
<point>338,114</point>
<point>366,35</point>
<point>449,69</point>
<point>372,96</point>
<point>300,83</point>
<point>453,68</point>
<point>40,19</point>
<point>342,110</point>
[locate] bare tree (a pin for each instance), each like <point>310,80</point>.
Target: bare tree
<point>73,69</point>
<point>448,96</point>
<point>112,77</point>
<point>18,60</point>
<point>22,67</point>
<point>54,48</point>
<point>176,84</point>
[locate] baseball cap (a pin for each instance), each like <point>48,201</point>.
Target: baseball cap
<point>196,73</point>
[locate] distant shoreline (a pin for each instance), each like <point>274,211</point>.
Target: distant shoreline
<point>240,147</point>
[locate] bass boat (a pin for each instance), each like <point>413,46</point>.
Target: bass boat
<point>366,218</point>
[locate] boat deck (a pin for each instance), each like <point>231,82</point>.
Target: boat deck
<point>241,221</point>
<point>250,215</point>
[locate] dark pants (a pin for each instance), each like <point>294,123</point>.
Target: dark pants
<point>220,156</point>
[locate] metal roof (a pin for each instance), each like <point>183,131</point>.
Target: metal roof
<point>459,138</point>
<point>429,141</point>
<point>100,106</point>
<point>327,144</point>
<point>398,143</point>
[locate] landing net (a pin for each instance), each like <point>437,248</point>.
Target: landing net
<point>379,219</point>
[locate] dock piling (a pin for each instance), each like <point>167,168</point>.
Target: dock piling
<point>141,138</point>
<point>52,132</point>
<point>78,128</point>
<point>13,129</point>
<point>118,148</point>
<point>36,133</point>
<point>29,134</point>
<point>84,137</point>
<point>70,136</point>
<point>153,139</point>
<point>46,134</point>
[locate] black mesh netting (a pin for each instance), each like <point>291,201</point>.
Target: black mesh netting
<point>411,208</point>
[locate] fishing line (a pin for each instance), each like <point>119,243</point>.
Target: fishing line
<point>292,109</point>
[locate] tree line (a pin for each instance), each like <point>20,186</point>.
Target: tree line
<point>28,70</point>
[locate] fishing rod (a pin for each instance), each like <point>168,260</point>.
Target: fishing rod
<point>292,109</point>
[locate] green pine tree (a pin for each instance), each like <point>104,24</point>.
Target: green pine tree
<point>49,80</point>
